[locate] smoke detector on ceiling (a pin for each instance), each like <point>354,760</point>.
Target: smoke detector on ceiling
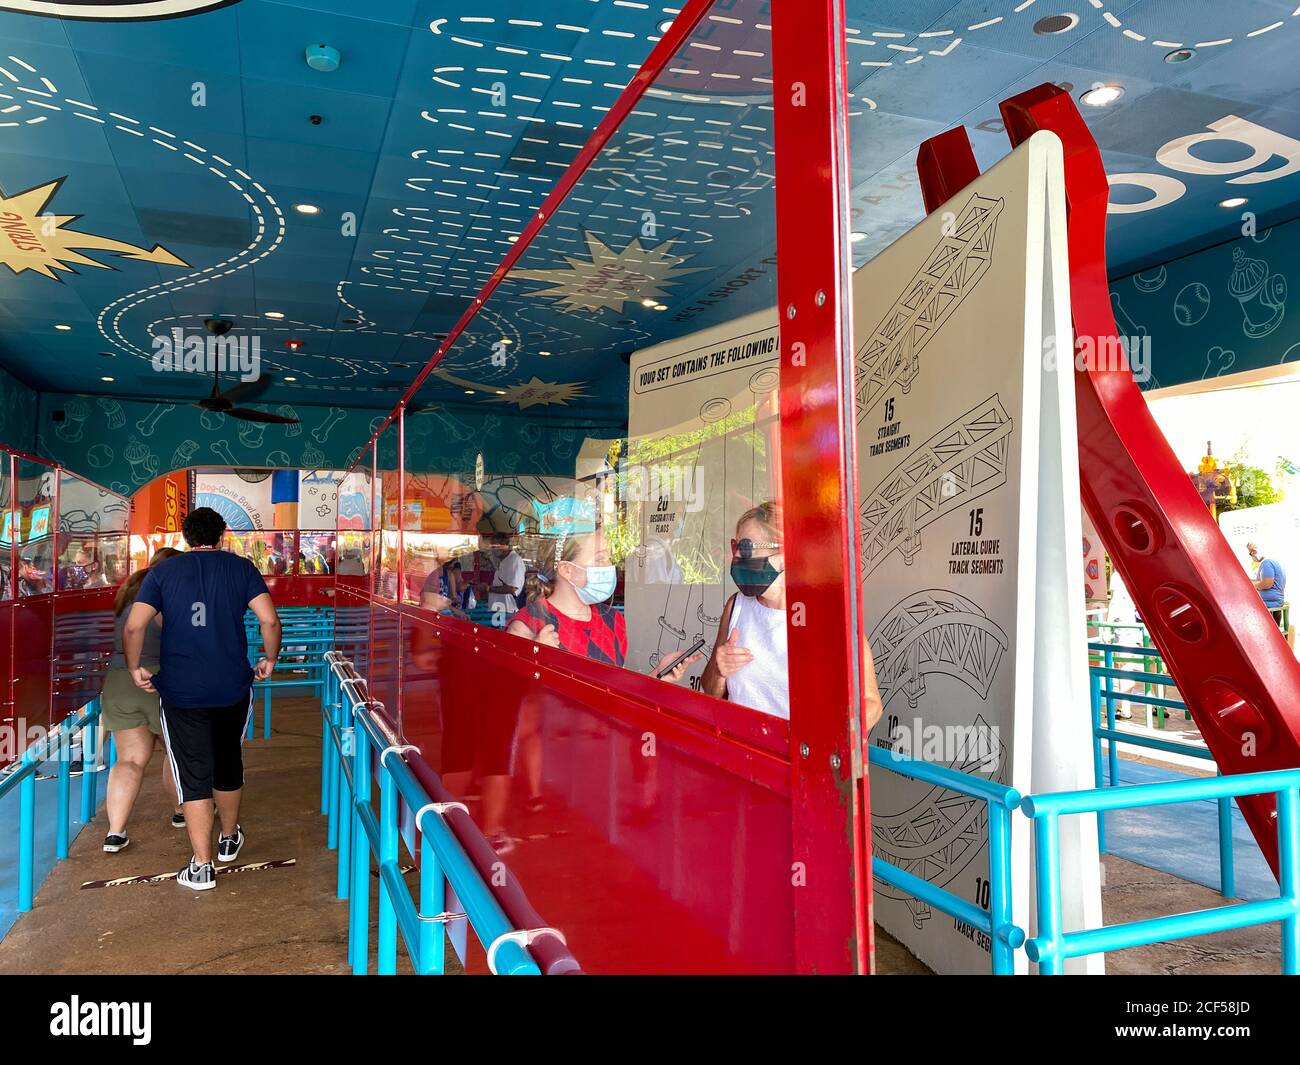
<point>323,58</point>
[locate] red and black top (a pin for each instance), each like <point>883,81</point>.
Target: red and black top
<point>602,637</point>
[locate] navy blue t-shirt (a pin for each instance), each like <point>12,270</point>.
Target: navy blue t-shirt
<point>202,596</point>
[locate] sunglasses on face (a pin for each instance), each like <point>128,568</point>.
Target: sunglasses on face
<point>745,548</point>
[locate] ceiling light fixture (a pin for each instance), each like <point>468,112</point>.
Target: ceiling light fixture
<point>1053,24</point>
<point>322,57</point>
<point>857,236</point>
<point>469,391</point>
<point>543,353</point>
<point>277,315</point>
<point>648,302</point>
<point>306,208</point>
<point>293,345</point>
<point>661,307</point>
<point>666,25</point>
<point>64,328</point>
<point>1102,95</point>
<point>1180,55</point>
<point>106,379</point>
<point>1234,201</point>
<point>291,378</point>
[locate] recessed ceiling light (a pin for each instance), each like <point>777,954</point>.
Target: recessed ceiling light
<point>1234,201</point>
<point>1180,55</point>
<point>291,378</point>
<point>277,315</point>
<point>647,302</point>
<point>64,328</point>
<point>107,355</point>
<point>857,235</point>
<point>1052,24</point>
<point>661,307</point>
<point>306,208</point>
<point>501,391</point>
<point>506,340</point>
<point>1102,95</point>
<point>666,25</point>
<point>106,379</point>
<point>543,353</point>
<point>293,345</point>
<point>351,321</point>
<point>469,391</point>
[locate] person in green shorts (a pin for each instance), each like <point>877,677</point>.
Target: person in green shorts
<point>132,716</point>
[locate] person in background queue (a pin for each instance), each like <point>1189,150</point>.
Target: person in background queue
<point>750,662</point>
<point>205,681</point>
<point>131,715</point>
<point>1270,578</point>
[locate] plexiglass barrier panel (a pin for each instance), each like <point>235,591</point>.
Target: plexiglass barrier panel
<point>35,525</point>
<point>593,468</point>
<point>92,545</point>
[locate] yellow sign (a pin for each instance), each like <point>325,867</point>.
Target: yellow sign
<point>31,239</point>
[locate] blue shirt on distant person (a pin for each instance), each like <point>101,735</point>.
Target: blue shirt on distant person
<point>1275,596</point>
<point>202,596</point>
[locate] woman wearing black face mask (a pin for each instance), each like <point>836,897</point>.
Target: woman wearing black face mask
<point>750,662</point>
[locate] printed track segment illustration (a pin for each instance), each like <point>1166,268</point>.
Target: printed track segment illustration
<point>891,353</point>
<point>960,463</point>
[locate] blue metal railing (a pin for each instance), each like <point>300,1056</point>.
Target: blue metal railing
<point>1052,946</point>
<point>56,745</point>
<point>1107,695</point>
<point>306,634</point>
<point>996,921</point>
<point>352,734</point>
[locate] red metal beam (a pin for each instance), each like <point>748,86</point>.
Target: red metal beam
<point>830,806</point>
<point>1233,668</point>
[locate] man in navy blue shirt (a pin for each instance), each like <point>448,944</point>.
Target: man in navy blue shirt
<point>204,680</point>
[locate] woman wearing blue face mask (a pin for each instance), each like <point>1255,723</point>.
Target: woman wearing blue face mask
<point>750,662</point>
<point>569,606</point>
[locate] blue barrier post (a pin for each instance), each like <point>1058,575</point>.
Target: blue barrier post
<point>1000,889</point>
<point>433,902</point>
<point>1045,948</point>
<point>359,901</point>
<point>1108,660</point>
<point>90,765</point>
<point>26,841</point>
<point>63,755</point>
<point>1227,870</point>
<point>266,713</point>
<point>1288,838</point>
<point>344,799</point>
<point>326,762</point>
<point>1098,775</point>
<point>387,858</point>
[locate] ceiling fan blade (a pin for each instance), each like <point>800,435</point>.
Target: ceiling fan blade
<point>249,415</point>
<point>247,390</point>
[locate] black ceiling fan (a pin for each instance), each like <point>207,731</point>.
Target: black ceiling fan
<point>219,402</point>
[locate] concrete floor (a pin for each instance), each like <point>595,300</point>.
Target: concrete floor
<point>288,919</point>
<point>278,920</point>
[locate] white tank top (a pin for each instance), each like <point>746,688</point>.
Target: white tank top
<point>764,684</point>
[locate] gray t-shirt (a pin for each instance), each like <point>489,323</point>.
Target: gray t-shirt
<point>152,650</point>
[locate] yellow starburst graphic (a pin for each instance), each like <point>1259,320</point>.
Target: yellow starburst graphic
<point>31,239</point>
<point>608,278</point>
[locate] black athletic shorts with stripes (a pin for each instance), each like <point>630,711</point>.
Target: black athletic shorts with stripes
<point>206,747</point>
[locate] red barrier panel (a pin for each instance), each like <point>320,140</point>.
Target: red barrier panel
<point>674,861</point>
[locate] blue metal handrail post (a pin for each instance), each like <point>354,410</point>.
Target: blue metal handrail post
<point>26,838</point>
<point>1000,889</point>
<point>1227,869</point>
<point>387,858</point>
<point>343,796</point>
<point>90,764</point>
<point>326,762</point>
<point>359,901</point>
<point>433,901</point>
<point>1098,775</point>
<point>1288,838</point>
<point>63,754</point>
<point>1046,946</point>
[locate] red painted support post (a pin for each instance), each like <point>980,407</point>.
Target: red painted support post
<point>829,807</point>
